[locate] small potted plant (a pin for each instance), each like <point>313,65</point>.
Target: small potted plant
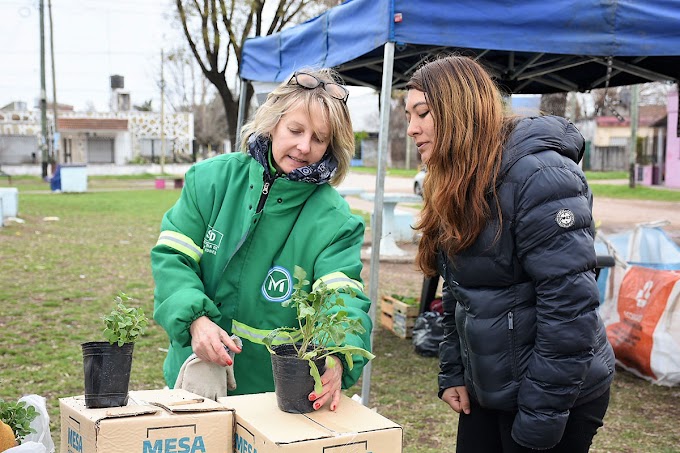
<point>15,423</point>
<point>107,364</point>
<point>300,354</point>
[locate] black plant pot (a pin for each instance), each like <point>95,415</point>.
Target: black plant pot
<point>107,373</point>
<point>292,381</point>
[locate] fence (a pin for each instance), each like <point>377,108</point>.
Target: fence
<point>609,158</point>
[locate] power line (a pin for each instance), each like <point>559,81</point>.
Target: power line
<point>85,52</point>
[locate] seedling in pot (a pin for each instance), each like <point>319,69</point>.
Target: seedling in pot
<point>123,324</point>
<point>322,327</point>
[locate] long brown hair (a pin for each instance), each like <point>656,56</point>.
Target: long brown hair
<point>471,127</point>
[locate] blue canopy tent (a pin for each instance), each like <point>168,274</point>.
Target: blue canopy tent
<point>533,46</point>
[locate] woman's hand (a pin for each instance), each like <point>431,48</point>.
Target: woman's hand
<point>332,386</point>
<point>457,398</point>
<point>208,341</point>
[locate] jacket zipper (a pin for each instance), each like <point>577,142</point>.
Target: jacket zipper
<point>260,205</point>
<point>513,356</point>
<point>263,196</point>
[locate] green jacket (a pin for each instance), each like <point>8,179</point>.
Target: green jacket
<point>218,256</point>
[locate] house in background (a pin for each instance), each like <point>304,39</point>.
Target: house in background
<point>123,137</point>
<point>672,161</point>
<point>117,137</point>
<point>611,143</point>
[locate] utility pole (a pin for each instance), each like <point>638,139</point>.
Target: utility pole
<point>162,115</point>
<point>55,147</point>
<point>43,92</point>
<point>634,115</point>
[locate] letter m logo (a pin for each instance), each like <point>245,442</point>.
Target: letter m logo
<point>277,285</point>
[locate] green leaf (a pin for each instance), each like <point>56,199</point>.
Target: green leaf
<point>305,311</point>
<point>124,324</point>
<point>349,360</point>
<point>314,372</point>
<point>18,417</point>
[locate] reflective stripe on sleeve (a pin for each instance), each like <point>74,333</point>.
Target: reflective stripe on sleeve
<point>257,335</point>
<point>181,243</point>
<point>338,280</point>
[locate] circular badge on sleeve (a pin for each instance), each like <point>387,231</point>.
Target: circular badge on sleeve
<point>565,218</point>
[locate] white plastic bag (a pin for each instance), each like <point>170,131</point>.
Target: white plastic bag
<point>41,440</point>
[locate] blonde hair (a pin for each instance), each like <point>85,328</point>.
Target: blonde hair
<point>471,127</point>
<point>288,97</point>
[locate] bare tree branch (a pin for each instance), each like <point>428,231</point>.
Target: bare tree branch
<point>187,34</point>
<point>224,28</point>
<point>280,9</point>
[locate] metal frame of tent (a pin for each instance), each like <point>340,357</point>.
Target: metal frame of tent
<point>530,47</point>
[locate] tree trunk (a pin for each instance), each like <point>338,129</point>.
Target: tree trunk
<point>554,104</point>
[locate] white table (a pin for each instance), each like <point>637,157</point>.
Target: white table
<point>388,244</point>
<point>349,191</point>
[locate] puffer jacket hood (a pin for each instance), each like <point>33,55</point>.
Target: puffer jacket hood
<point>542,133</point>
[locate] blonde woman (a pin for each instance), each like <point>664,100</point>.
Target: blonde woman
<point>224,260</point>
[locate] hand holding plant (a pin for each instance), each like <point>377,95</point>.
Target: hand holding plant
<point>321,330</point>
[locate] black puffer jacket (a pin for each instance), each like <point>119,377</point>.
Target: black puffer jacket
<point>522,330</point>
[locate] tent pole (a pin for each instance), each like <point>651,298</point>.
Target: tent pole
<point>241,111</point>
<point>634,114</point>
<point>376,220</point>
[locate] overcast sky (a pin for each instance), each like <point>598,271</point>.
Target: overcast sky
<point>93,39</point>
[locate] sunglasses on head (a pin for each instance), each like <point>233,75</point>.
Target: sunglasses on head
<point>311,82</point>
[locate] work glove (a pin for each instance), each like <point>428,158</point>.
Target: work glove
<point>206,378</point>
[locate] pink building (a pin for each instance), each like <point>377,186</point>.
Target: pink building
<point>672,144</point>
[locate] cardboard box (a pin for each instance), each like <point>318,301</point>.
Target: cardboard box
<point>397,316</point>
<point>353,428</point>
<point>153,421</point>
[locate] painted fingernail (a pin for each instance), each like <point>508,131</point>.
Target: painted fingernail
<point>316,406</point>
<point>312,397</point>
<point>333,406</point>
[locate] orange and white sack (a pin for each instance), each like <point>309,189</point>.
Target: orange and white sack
<point>644,326</point>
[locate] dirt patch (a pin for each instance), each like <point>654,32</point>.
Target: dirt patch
<point>399,275</point>
<point>614,215</point>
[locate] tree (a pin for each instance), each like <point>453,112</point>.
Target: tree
<point>144,106</point>
<point>216,30</point>
<point>209,120</point>
<point>398,125</point>
<point>554,104</point>
<point>616,100</point>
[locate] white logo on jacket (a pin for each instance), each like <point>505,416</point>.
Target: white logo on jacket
<point>277,285</point>
<point>565,218</point>
<point>212,240</point>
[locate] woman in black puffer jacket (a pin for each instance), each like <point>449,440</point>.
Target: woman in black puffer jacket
<point>507,222</point>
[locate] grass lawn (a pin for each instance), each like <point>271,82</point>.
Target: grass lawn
<point>604,190</point>
<point>58,276</point>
